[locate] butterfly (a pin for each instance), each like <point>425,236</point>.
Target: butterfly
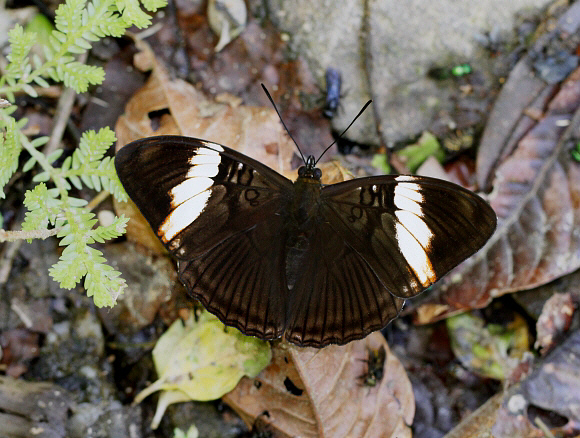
<point>316,264</point>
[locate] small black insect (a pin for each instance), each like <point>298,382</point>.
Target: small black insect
<point>259,428</point>
<point>333,87</point>
<point>375,367</point>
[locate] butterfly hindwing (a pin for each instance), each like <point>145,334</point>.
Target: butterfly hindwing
<point>242,279</point>
<point>337,297</point>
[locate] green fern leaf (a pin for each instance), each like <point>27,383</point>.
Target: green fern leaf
<point>10,149</point>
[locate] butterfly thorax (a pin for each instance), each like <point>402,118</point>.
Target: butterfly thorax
<point>306,197</point>
<point>302,213</point>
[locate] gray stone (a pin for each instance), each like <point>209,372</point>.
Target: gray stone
<point>404,40</point>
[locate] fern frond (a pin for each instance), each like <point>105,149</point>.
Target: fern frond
<point>20,44</point>
<point>10,149</point>
<point>153,5</point>
<point>116,229</point>
<point>110,180</point>
<point>132,13</point>
<point>103,283</point>
<point>78,24</point>
<point>71,267</point>
<point>43,208</point>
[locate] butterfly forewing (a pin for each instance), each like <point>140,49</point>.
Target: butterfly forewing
<point>196,193</point>
<point>218,212</point>
<point>410,230</point>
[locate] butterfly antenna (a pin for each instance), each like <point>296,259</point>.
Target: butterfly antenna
<point>284,124</point>
<point>340,136</point>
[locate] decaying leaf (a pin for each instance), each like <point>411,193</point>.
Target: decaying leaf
<point>479,422</point>
<point>174,107</point>
<point>536,196</point>
<point>202,360</point>
<point>227,19</point>
<point>555,319</point>
<point>312,392</point>
<point>551,392</point>
<point>491,350</point>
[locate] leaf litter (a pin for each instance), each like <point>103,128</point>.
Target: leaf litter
<point>312,392</point>
<point>536,195</point>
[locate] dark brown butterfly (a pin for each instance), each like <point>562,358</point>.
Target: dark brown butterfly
<point>317,264</point>
<point>375,367</point>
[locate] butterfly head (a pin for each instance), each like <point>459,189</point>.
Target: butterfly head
<point>310,170</point>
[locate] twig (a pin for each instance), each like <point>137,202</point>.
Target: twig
<point>63,110</point>
<point>21,314</point>
<point>543,427</point>
<point>7,258</point>
<point>97,200</point>
<point>13,236</point>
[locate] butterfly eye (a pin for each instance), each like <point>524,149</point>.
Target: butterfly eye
<point>302,171</point>
<point>317,173</point>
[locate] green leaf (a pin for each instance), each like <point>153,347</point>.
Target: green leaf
<point>54,155</point>
<point>10,149</point>
<point>414,155</point>
<point>42,206</point>
<point>205,360</point>
<point>41,177</point>
<point>41,26</point>
<point>379,161</point>
<point>29,164</point>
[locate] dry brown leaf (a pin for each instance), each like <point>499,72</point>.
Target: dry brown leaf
<point>522,100</point>
<point>551,392</point>
<point>536,196</point>
<point>479,422</point>
<point>312,392</point>
<point>555,319</point>
<point>166,106</point>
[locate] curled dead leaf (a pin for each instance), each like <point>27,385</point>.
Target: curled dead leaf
<point>550,393</point>
<point>555,319</point>
<point>317,393</point>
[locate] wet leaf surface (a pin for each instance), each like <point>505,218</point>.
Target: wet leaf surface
<point>317,393</point>
<point>491,350</point>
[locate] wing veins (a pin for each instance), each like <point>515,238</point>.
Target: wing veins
<point>394,262</point>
